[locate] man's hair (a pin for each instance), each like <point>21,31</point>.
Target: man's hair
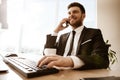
<point>76,4</point>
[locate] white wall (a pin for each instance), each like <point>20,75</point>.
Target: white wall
<point>108,20</point>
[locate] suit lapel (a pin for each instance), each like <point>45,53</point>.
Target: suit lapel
<point>65,38</point>
<point>81,38</point>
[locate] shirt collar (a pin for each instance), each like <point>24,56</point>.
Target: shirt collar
<point>79,29</point>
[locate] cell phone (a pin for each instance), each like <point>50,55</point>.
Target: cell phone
<point>66,24</point>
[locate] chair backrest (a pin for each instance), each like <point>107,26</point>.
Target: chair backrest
<point>107,46</point>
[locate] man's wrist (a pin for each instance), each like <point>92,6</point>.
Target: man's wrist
<point>77,62</point>
<point>70,61</point>
<point>56,31</point>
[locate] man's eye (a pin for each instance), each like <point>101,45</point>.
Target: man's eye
<point>69,13</point>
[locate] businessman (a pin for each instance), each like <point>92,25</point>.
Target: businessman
<point>82,48</point>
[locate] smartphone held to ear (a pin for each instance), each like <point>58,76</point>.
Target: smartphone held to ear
<point>66,24</point>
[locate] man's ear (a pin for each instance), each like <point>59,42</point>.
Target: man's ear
<point>83,16</point>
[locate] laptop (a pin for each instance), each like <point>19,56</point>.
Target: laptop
<point>102,78</point>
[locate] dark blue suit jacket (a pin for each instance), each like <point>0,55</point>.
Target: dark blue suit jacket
<point>91,48</point>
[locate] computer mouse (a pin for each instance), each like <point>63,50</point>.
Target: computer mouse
<point>11,55</point>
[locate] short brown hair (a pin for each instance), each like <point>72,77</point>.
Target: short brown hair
<point>78,5</point>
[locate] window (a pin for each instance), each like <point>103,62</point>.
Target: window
<point>30,20</point>
<point>3,14</point>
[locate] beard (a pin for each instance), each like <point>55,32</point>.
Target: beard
<point>77,23</point>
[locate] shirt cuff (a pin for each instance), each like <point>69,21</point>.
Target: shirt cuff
<point>50,51</point>
<point>54,34</point>
<point>77,62</point>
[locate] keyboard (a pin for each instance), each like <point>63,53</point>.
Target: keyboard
<point>28,68</point>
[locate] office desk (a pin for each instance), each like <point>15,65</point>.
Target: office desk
<point>12,74</point>
<point>62,75</point>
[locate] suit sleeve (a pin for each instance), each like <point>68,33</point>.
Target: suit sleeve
<point>94,54</point>
<point>50,41</point>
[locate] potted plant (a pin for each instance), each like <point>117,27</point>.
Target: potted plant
<point>111,54</point>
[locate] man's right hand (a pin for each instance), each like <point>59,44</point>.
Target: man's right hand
<point>55,60</point>
<point>60,26</point>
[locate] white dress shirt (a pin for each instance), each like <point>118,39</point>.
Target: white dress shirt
<point>77,61</point>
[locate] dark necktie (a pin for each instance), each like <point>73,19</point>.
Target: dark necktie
<point>71,43</point>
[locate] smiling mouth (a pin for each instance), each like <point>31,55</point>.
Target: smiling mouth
<point>72,20</point>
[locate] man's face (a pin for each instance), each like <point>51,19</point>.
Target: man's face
<point>75,16</point>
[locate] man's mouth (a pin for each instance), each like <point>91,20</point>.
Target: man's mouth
<point>72,19</point>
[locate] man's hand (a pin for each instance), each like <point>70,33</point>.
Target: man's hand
<point>60,26</point>
<point>56,60</point>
